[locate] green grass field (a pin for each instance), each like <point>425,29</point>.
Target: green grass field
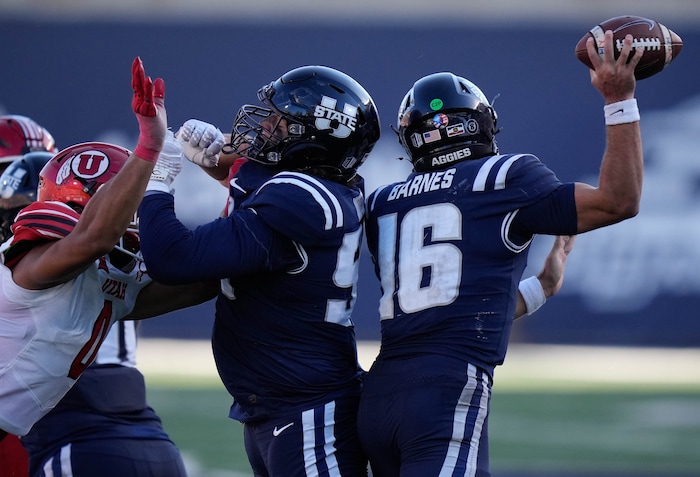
<point>556,421</point>
<point>534,433</point>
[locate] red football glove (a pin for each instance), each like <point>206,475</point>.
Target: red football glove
<point>149,105</point>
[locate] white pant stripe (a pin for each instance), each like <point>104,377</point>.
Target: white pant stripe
<point>478,427</point>
<point>66,468</point>
<point>329,436</point>
<point>460,423</point>
<point>307,422</point>
<point>310,461</point>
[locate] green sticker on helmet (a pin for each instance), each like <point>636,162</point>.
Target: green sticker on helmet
<point>436,104</point>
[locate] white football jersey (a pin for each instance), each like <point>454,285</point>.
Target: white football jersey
<point>48,337</point>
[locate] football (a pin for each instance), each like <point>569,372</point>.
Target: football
<point>661,45</point>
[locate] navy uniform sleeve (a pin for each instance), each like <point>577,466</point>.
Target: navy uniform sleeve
<point>519,180</point>
<point>301,207</point>
<point>226,247</point>
<point>554,215</point>
<point>544,204</point>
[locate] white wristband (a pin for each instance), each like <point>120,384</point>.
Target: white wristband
<point>158,186</point>
<point>621,112</point>
<point>533,294</point>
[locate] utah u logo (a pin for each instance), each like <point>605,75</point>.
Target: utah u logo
<point>90,164</point>
<point>342,123</point>
<point>87,165</point>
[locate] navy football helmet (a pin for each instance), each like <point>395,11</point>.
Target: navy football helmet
<point>22,176</point>
<point>18,187</point>
<point>314,119</point>
<point>443,119</point>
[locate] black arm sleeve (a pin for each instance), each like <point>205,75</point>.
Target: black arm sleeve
<point>553,215</point>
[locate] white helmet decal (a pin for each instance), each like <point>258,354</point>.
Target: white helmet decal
<point>326,112</point>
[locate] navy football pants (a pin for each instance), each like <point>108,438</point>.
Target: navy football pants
<point>115,458</point>
<point>417,421</point>
<point>321,441</point>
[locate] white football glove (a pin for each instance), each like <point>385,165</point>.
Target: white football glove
<point>168,165</point>
<point>202,142</point>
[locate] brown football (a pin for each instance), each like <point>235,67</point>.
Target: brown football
<point>661,45</point>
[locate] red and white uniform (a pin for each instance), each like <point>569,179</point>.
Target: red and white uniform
<point>48,337</point>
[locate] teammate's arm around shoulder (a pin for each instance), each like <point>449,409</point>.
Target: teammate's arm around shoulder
<point>619,189</point>
<point>109,212</point>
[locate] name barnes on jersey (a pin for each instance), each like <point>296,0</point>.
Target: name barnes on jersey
<point>423,183</point>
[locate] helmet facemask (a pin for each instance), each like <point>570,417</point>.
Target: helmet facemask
<point>259,133</point>
<point>129,245</point>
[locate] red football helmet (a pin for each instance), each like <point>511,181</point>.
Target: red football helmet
<point>74,175</point>
<point>20,135</point>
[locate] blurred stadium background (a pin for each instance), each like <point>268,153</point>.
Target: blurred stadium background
<point>605,379</point>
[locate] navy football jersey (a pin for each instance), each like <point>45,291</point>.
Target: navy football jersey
<point>448,260</point>
<point>287,256</point>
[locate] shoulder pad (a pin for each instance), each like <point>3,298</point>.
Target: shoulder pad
<point>296,203</point>
<point>44,221</point>
<point>39,221</point>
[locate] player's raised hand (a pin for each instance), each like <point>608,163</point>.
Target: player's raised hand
<point>148,103</point>
<point>202,142</point>
<point>614,78</point>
